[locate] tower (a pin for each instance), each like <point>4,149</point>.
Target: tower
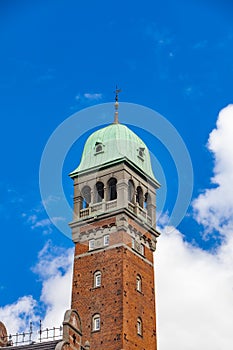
<point>114,232</point>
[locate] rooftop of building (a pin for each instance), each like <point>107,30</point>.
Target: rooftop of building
<point>46,345</point>
<point>113,144</point>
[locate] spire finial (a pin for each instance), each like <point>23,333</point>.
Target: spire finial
<point>117,91</point>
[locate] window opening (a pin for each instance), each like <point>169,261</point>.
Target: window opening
<point>96,322</point>
<point>141,152</point>
<point>131,191</point>
<point>146,200</point>
<point>98,147</point>
<point>99,191</point>
<point>97,279</point>
<point>91,244</point>
<point>139,196</point>
<point>142,249</point>
<point>112,190</point>
<point>106,240</point>
<point>139,283</point>
<point>139,326</point>
<point>133,243</point>
<point>86,195</point>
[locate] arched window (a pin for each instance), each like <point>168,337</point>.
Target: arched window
<point>139,326</point>
<point>96,322</point>
<point>97,279</point>
<point>138,283</point>
<point>112,189</point>
<point>99,147</point>
<point>86,195</point>
<point>139,196</point>
<point>146,200</point>
<point>141,152</point>
<point>131,191</point>
<point>99,192</point>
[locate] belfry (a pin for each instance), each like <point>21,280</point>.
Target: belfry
<point>114,232</point>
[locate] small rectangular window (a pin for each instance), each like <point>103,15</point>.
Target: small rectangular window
<point>96,323</point>
<point>142,249</point>
<point>139,327</point>
<point>139,283</point>
<point>139,247</point>
<point>97,279</point>
<point>91,244</point>
<point>133,243</point>
<point>106,240</point>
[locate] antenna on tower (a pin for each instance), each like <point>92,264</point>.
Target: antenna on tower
<point>117,91</point>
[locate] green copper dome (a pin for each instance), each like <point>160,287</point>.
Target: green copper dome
<point>113,144</point>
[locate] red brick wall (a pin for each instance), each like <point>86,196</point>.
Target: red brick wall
<point>138,304</point>
<point>105,300</point>
<point>117,300</point>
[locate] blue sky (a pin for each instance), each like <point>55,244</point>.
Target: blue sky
<point>58,57</point>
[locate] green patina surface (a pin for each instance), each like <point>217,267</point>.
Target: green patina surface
<point>118,143</point>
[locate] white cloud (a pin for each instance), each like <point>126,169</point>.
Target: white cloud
<point>214,207</point>
<point>46,224</point>
<point>54,269</point>
<point>95,96</point>
<point>195,287</point>
<point>17,316</point>
<point>89,97</point>
<point>36,220</point>
<point>194,295</point>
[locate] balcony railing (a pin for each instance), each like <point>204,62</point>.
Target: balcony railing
<point>111,205</point>
<point>140,212</point>
<point>98,208</point>
<point>33,336</point>
<point>103,207</point>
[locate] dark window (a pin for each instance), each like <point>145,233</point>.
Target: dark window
<point>86,195</point>
<point>98,148</point>
<point>139,196</point>
<point>131,191</point>
<point>99,192</point>
<point>112,190</point>
<point>146,200</point>
<point>141,152</point>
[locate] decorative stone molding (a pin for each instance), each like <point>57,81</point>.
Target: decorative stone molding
<point>72,330</point>
<point>122,222</point>
<point>3,335</point>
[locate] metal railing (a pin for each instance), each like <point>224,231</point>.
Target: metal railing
<point>31,337</point>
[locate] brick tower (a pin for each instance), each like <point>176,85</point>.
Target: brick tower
<point>113,229</point>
